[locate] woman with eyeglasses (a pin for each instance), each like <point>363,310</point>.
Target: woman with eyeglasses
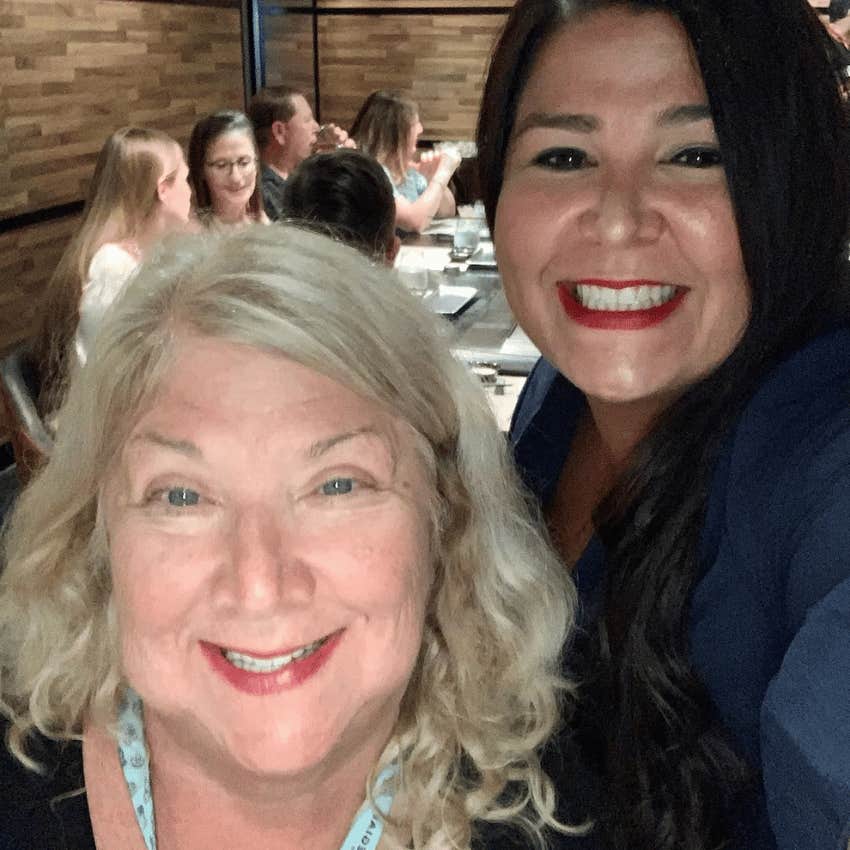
<point>223,170</point>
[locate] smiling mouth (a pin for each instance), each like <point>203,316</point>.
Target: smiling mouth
<point>628,298</point>
<point>274,663</point>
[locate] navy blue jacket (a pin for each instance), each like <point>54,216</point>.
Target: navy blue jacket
<point>770,619</point>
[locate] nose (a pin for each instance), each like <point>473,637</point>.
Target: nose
<point>622,210</point>
<point>264,571</point>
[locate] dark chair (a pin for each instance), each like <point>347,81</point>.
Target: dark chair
<point>31,439</point>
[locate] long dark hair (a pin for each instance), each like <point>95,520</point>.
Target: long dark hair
<point>671,770</point>
<point>204,133</point>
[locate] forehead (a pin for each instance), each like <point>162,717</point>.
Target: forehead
<point>231,143</point>
<point>615,55</point>
<point>302,108</point>
<point>215,387</point>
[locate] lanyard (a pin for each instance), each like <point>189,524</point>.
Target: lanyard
<point>133,755</point>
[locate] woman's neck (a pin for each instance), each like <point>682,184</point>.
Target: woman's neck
<point>199,798</point>
<point>232,215</point>
<point>622,425</point>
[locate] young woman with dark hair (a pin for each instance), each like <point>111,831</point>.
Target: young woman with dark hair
<point>223,170</point>
<point>667,184</point>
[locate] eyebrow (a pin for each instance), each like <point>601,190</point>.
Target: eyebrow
<point>580,123</point>
<point>321,447</point>
<point>688,113</point>
<point>316,450</point>
<point>183,447</point>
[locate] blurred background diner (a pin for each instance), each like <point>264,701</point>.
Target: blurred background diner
<point>388,128</point>
<point>224,171</point>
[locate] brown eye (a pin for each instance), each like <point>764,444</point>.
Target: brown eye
<point>698,158</point>
<point>562,159</point>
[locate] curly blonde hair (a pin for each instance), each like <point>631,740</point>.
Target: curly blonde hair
<point>486,691</point>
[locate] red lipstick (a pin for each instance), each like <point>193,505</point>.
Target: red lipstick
<point>622,320</point>
<point>262,684</point>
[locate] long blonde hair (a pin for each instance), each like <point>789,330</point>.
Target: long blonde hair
<point>486,692</point>
<point>121,199</point>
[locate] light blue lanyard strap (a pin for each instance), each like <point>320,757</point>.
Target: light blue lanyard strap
<point>365,832</point>
<point>133,755</point>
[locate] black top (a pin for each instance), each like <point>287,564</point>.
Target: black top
<point>272,186</point>
<point>35,814</point>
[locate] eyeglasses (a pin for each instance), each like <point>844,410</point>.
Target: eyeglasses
<point>243,164</point>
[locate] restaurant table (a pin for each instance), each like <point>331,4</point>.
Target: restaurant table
<point>483,329</point>
<point>479,325</point>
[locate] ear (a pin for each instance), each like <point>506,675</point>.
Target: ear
<point>392,251</point>
<point>162,188</point>
<point>279,132</point>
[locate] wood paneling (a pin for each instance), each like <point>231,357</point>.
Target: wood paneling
<point>289,51</point>
<point>413,4</point>
<point>27,259</point>
<point>72,72</point>
<point>439,59</point>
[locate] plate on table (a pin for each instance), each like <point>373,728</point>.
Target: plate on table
<point>450,300</point>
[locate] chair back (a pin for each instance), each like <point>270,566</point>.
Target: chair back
<point>31,439</point>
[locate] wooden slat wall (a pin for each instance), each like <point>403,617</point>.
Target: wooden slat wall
<point>439,58</point>
<point>73,71</point>
<point>27,258</point>
<point>289,51</point>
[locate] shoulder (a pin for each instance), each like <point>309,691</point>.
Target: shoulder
<point>41,809</point>
<point>542,426</point>
<point>111,257</point>
<point>786,489</point>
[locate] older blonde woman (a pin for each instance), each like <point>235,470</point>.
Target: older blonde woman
<point>278,577</point>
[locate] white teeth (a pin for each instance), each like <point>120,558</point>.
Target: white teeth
<point>269,665</point>
<point>630,298</point>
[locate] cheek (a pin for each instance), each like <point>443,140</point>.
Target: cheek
<point>391,573</point>
<point>157,583</point>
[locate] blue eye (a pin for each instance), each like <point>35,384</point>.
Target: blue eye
<point>337,487</point>
<point>182,497</point>
<point>562,159</point>
<point>698,158</point>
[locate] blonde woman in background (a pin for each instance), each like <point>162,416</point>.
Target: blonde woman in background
<point>387,128</point>
<point>281,555</point>
<point>138,193</point>
<point>224,168</point>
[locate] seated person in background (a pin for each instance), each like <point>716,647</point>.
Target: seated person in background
<point>278,559</point>
<point>387,128</point>
<point>347,193</point>
<point>286,134</point>
<point>138,193</point>
<point>223,171</point>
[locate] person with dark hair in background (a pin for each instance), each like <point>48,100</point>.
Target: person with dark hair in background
<point>348,194</point>
<point>669,203</point>
<point>287,134</point>
<point>223,163</point>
